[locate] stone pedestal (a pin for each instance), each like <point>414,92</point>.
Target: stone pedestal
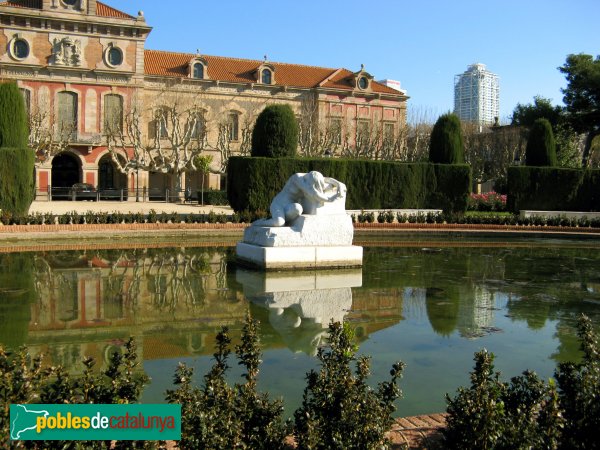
<point>310,242</point>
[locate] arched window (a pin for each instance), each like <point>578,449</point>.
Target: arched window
<point>113,113</point>
<point>198,71</point>
<point>267,76</point>
<point>67,113</point>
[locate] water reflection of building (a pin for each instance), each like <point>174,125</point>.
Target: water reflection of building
<point>171,302</point>
<point>468,309</point>
<point>476,313</point>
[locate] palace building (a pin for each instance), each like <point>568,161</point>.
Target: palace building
<point>106,111</point>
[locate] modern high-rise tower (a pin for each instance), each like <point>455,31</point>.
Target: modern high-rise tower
<point>477,95</point>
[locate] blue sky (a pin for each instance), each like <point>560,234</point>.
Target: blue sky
<point>421,43</point>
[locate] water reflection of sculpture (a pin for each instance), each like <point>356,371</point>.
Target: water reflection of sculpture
<point>301,305</point>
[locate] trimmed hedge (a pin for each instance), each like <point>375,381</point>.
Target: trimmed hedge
<point>275,133</point>
<point>541,146</point>
<point>17,187</point>
<point>253,182</point>
<point>446,143</point>
<point>553,189</point>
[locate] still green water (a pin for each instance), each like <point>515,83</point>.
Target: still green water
<point>431,304</point>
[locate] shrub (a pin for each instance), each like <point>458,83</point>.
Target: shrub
<point>541,147</point>
<point>219,416</point>
<point>579,385</point>
<point>553,189</point>
<point>275,133</point>
<point>490,201</point>
<point>14,124</point>
<point>216,198</point>
<point>339,410</point>
<point>24,380</point>
<point>492,414</point>
<point>446,143</point>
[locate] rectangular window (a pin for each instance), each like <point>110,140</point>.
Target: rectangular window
<point>113,113</point>
<point>67,115</point>
<point>159,124</point>
<point>234,124</point>
<point>336,131</point>
<point>388,132</point>
<point>362,130</point>
<point>198,122</point>
<point>26,100</point>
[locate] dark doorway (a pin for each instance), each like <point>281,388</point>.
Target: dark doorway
<point>112,184</point>
<point>66,171</point>
<point>109,176</point>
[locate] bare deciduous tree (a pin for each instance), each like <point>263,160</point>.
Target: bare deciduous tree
<point>47,135</point>
<point>178,135</point>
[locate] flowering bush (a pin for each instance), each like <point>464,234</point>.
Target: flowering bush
<point>490,201</point>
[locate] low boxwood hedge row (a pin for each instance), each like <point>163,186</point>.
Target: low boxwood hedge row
<point>253,182</point>
<point>384,216</point>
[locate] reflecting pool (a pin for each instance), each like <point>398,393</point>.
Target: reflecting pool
<point>429,303</point>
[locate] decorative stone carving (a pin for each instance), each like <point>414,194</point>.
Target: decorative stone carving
<point>305,193</point>
<point>66,52</point>
<point>309,228</point>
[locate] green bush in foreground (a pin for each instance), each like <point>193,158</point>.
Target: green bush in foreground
<point>527,412</point>
<point>24,380</point>
<point>339,410</point>
<point>579,386</point>
<point>218,416</point>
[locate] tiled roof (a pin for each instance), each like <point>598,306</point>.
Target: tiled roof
<point>36,4</point>
<point>171,64</point>
<point>103,10</point>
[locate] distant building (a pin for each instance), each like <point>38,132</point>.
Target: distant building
<point>477,95</point>
<point>394,84</point>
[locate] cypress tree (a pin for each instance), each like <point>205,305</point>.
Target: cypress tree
<point>541,146</point>
<point>14,124</point>
<point>275,133</point>
<point>446,143</point>
<point>17,186</point>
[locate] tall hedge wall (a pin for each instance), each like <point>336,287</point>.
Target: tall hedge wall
<point>17,187</point>
<point>253,182</point>
<point>553,189</point>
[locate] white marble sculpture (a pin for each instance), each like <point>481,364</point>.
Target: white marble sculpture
<point>308,228</point>
<point>305,193</point>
